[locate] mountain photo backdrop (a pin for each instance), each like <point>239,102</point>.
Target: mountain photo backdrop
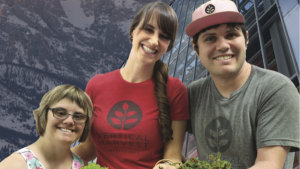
<point>45,43</point>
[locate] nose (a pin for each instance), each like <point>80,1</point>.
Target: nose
<point>222,45</point>
<point>69,120</point>
<point>154,40</point>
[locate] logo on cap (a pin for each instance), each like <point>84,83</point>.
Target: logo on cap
<point>210,9</point>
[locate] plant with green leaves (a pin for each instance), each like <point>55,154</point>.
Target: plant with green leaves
<point>93,166</point>
<point>214,162</point>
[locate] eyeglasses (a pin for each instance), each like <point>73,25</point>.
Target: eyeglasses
<point>62,114</point>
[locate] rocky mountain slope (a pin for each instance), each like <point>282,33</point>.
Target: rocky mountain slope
<point>44,43</point>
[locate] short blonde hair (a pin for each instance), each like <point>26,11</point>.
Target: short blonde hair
<point>75,94</point>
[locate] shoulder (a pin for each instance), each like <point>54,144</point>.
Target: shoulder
<point>270,79</point>
<point>173,81</point>
<point>105,75</point>
<point>200,83</point>
<point>272,86</point>
<point>15,160</point>
<point>102,79</point>
<point>178,99</point>
<point>174,85</point>
<point>175,89</point>
<point>267,75</point>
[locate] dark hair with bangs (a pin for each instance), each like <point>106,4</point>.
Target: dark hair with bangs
<point>231,25</point>
<point>167,22</point>
<point>166,19</point>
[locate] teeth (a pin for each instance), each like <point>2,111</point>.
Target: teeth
<point>148,50</point>
<point>66,130</point>
<point>223,57</point>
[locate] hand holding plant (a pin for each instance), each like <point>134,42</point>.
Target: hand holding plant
<point>214,162</point>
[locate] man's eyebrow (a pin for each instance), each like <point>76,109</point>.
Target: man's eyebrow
<point>230,29</point>
<point>208,34</point>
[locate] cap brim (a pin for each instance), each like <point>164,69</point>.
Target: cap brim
<point>214,19</point>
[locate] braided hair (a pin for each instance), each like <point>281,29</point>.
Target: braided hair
<point>167,21</point>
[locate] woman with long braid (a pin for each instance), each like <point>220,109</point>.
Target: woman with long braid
<point>140,111</point>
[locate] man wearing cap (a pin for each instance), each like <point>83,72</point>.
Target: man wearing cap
<point>249,114</point>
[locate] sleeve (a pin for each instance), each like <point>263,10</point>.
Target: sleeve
<point>178,99</point>
<point>278,115</point>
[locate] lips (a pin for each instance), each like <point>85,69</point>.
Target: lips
<point>66,130</point>
<point>148,50</point>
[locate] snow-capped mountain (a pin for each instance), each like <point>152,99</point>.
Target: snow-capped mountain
<point>44,43</point>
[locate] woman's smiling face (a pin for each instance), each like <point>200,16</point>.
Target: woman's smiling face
<point>64,130</point>
<point>149,43</point>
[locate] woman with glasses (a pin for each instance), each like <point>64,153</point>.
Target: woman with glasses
<point>63,117</point>
<point>140,111</point>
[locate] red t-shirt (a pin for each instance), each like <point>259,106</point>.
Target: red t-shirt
<point>125,127</point>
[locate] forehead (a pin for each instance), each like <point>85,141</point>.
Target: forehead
<point>68,105</point>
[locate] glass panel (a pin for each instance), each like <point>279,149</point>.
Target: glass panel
<point>174,53</point>
<point>252,31</point>
<point>200,70</point>
<point>190,66</point>
<point>292,24</point>
<point>181,64</point>
<point>172,61</point>
<point>182,24</point>
<point>257,59</point>
<point>253,46</point>
<point>287,5</point>
<point>178,8</point>
<point>247,9</point>
<point>174,5</point>
<point>166,57</point>
<point>260,7</point>
<point>272,64</point>
<point>180,17</point>
<point>191,6</point>
<point>172,67</point>
<point>269,50</point>
<point>266,34</point>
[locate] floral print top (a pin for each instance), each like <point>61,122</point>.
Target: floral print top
<point>33,162</point>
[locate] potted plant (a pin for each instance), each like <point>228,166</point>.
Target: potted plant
<point>214,162</point>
